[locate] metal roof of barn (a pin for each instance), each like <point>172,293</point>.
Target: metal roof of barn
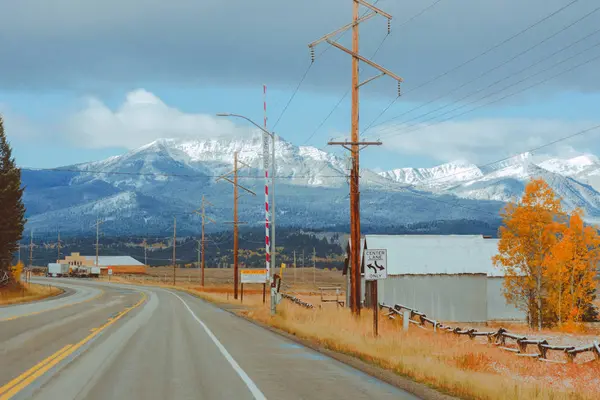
<point>105,261</point>
<point>437,254</point>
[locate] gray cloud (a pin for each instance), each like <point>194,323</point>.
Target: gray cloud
<point>485,140</point>
<point>93,43</point>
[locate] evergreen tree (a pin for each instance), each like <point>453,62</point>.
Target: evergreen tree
<point>12,210</point>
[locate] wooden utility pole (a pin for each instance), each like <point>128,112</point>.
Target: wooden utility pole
<point>202,214</point>
<point>236,186</point>
<point>198,249</point>
<point>174,250</point>
<point>303,266</point>
<point>31,249</point>
<point>355,145</point>
<point>314,266</point>
<point>98,223</point>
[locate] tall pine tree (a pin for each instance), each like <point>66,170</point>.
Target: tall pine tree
<point>12,210</point>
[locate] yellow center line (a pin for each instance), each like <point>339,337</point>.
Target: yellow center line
<point>54,308</point>
<point>25,379</point>
<point>33,369</point>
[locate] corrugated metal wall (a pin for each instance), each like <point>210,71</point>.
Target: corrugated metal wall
<point>498,309</point>
<point>460,298</point>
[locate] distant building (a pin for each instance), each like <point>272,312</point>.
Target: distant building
<point>119,264</point>
<point>447,277</point>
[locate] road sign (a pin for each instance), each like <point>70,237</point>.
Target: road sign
<point>253,275</point>
<point>375,264</point>
<point>110,271</point>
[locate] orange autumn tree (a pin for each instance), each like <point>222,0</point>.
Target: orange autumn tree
<point>527,237</point>
<point>572,266</point>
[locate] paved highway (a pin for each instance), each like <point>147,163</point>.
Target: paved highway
<point>109,341</point>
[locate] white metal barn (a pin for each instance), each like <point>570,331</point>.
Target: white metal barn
<point>449,278</point>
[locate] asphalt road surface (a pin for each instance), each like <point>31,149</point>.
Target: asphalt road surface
<point>110,341</point>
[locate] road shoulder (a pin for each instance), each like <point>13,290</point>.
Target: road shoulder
<point>418,389</point>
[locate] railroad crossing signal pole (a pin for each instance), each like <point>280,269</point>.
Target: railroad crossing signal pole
<point>236,186</point>
<point>202,214</point>
<point>355,145</point>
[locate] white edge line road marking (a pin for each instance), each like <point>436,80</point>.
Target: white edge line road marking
<point>251,385</point>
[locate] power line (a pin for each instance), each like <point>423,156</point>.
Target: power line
<point>304,77</point>
<point>539,61</point>
<point>415,16</point>
<point>162,174</point>
<point>418,14</point>
<point>422,126</point>
<point>487,72</point>
<point>494,47</point>
<point>487,51</point>
<point>293,95</point>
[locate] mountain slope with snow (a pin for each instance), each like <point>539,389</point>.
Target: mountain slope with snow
<point>505,181</point>
<point>141,191</point>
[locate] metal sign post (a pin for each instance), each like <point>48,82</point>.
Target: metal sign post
<point>375,269</point>
<point>109,273</point>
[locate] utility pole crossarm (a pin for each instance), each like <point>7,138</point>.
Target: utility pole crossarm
<point>374,9</point>
<point>366,60</point>
<point>371,79</point>
<point>342,29</point>
<point>239,186</point>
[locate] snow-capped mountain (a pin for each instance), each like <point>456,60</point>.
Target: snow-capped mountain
<point>450,173</point>
<point>209,158</point>
<point>572,180</point>
<point>142,190</point>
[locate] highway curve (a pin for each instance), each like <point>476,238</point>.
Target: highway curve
<point>129,342</point>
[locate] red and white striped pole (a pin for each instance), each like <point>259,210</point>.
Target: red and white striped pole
<point>266,167</point>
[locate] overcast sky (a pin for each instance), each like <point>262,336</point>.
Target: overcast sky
<point>93,78</point>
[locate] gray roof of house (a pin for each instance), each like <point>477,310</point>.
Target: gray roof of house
<point>114,260</point>
<point>437,254</point>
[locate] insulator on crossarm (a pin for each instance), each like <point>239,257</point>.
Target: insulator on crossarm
<point>389,26</point>
<point>399,89</point>
<point>312,54</point>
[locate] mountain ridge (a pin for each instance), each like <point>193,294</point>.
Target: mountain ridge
<point>144,188</point>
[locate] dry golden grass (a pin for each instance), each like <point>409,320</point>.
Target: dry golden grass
<point>26,293</point>
<point>303,279</point>
<point>453,365</point>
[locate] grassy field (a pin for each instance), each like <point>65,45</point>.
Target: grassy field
<point>454,365</point>
<point>303,279</point>
<point>26,293</point>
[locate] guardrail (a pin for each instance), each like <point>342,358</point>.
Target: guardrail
<point>297,300</point>
<point>501,338</point>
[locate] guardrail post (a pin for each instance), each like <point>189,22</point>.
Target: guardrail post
<point>542,349</point>
<point>522,346</point>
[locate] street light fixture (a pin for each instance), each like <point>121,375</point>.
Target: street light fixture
<point>272,136</point>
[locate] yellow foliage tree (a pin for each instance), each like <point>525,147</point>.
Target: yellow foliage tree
<point>572,266</point>
<point>16,271</point>
<point>527,237</point>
